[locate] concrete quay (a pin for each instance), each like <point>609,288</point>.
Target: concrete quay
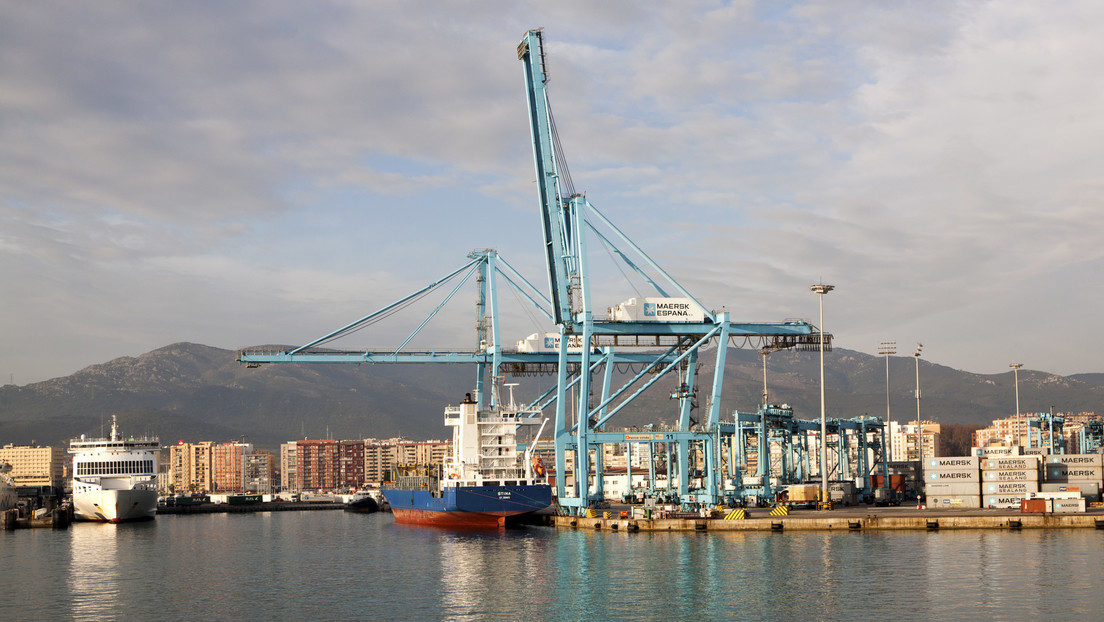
<point>273,506</point>
<point>847,519</point>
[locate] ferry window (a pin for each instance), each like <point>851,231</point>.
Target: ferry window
<point>490,483</point>
<point>511,483</point>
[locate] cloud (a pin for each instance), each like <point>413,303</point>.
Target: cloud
<point>268,171</point>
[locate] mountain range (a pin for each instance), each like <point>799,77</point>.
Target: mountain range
<point>194,392</point>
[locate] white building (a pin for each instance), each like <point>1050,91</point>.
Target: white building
<point>902,441</point>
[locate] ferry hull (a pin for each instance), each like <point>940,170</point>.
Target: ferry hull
<point>115,506</point>
<point>482,506</point>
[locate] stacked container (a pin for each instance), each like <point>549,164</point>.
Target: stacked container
<point>1082,473</point>
<point>996,451</point>
<point>953,482</point>
<point>1008,480</point>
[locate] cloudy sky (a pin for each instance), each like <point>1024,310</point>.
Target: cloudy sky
<point>245,173</point>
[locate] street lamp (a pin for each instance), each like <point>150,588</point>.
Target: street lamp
<point>886,348</point>
<point>1016,372</point>
<point>821,289</point>
<point>919,424</point>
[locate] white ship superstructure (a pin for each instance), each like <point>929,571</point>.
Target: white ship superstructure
<point>115,479</point>
<point>7,487</point>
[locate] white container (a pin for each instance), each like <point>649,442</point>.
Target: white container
<point>1086,488</point>
<point>1011,463</point>
<point>958,502</point>
<point>952,489</point>
<point>549,342</point>
<point>952,476</point>
<point>1036,451</point>
<point>952,463</point>
<point>1006,489</point>
<point>1028,475</point>
<point>657,310</point>
<point>1078,460</point>
<point>1065,473</point>
<point>1003,502</point>
<point>1068,506</point>
<point>988,452</point>
<point>1054,495</point>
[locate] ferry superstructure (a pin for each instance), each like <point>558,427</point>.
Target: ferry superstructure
<point>115,479</point>
<point>7,487</point>
<point>483,483</point>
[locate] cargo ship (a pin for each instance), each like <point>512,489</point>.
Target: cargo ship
<point>114,479</point>
<point>484,483</point>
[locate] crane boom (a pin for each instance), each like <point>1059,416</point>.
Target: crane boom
<point>556,219</point>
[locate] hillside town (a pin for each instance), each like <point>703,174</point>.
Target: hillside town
<point>332,466</point>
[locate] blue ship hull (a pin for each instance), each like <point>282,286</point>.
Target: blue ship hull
<point>468,506</point>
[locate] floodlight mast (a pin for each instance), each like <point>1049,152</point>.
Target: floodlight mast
<point>886,349</point>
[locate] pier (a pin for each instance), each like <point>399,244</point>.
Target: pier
<point>227,508</point>
<point>851,519</point>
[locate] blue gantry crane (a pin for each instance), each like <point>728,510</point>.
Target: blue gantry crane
<point>662,336</point>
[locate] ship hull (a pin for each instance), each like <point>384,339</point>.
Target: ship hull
<point>7,496</point>
<point>475,506</point>
<point>115,506</point>
<point>364,505</point>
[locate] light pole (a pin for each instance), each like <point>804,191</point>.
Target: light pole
<point>821,289</point>
<point>1016,372</point>
<point>919,427</point>
<point>764,352</point>
<point>886,348</point>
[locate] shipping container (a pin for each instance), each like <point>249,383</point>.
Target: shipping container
<point>902,467</point>
<point>1068,506</point>
<point>1028,475</point>
<point>952,463</point>
<point>952,476</point>
<point>1033,506</point>
<point>1086,488</point>
<point>952,489</point>
<point>989,452</point>
<point>803,493</point>
<point>957,502</point>
<point>549,342</point>
<point>1066,472</point>
<point>1011,463</point>
<point>1002,502</point>
<point>1010,488</point>
<point>1078,460</point>
<point>1036,451</point>
<point>657,310</point>
<point>1069,494</point>
<point>896,482</point>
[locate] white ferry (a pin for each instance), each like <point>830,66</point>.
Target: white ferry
<point>7,487</point>
<point>115,479</point>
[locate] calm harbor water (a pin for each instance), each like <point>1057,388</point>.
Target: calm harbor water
<point>341,566</point>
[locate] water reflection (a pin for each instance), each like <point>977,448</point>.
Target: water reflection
<point>492,574</point>
<point>104,561</point>
<point>340,566</point>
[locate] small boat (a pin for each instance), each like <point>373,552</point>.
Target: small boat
<point>362,502</point>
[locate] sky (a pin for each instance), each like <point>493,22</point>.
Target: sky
<point>247,173</point>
